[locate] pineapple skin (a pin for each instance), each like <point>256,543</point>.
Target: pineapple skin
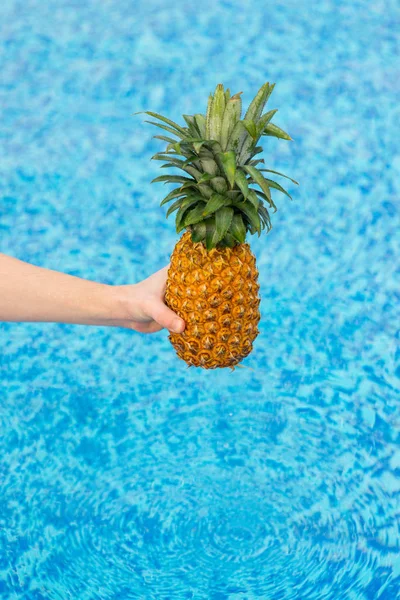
<point>216,293</point>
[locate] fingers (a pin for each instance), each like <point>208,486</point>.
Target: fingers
<point>165,317</point>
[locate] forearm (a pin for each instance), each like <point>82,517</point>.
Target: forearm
<point>30,293</point>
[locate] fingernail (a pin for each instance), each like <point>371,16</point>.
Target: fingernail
<point>177,326</point>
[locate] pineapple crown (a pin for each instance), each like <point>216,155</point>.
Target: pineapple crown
<point>215,199</point>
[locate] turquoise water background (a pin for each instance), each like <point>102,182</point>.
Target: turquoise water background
<point>123,474</point>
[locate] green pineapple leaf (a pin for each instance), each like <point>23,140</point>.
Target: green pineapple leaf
<point>238,106</point>
<point>205,177</point>
<point>208,163</point>
<point>174,206</point>
<point>238,228</point>
<point>251,213</point>
<point>281,174</point>
<point>173,194</point>
<point>228,160</point>
<point>219,184</point>
<point>205,190</point>
<point>164,138</point>
<point>172,124</point>
<point>252,197</point>
<point>181,164</point>
<point>253,114</point>
<point>166,128</point>
<point>163,155</point>
<point>223,219</point>
<point>201,124</point>
<point>208,115</point>
<point>173,179</point>
<point>192,125</point>
<point>199,232</point>
<point>266,198</point>
<point>248,149</point>
<point>173,162</point>
<point>176,162</point>
<point>257,150</point>
<point>210,233</point>
<point>258,178</point>
<point>228,241</point>
<point>183,212</point>
<point>192,160</point>
<point>275,131</point>
<point>231,117</point>
<point>193,171</point>
<point>257,105</point>
<point>195,215</point>
<point>215,203</point>
<point>198,146</point>
<point>177,147</point>
<point>174,148</point>
<point>264,215</point>
<point>217,113</point>
<point>264,120</point>
<point>251,128</point>
<point>276,186</point>
<point>241,182</point>
<point>219,200</point>
<point>190,140</point>
<point>248,142</point>
<point>234,139</point>
<point>253,163</point>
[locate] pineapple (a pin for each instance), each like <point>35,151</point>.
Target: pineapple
<point>213,279</point>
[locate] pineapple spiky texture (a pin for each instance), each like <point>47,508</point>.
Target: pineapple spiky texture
<point>221,196</point>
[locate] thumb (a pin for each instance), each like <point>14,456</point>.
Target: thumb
<point>166,317</point>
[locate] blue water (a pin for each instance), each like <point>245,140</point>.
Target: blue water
<point>123,473</point>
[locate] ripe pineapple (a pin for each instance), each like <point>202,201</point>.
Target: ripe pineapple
<point>212,279</point>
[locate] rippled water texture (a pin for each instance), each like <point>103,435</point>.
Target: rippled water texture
<point>123,473</point>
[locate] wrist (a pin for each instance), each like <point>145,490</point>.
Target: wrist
<point>120,303</point>
<point>107,306</point>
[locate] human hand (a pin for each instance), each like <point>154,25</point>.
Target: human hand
<point>29,293</point>
<point>145,308</point>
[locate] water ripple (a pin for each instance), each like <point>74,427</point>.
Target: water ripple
<point>260,512</point>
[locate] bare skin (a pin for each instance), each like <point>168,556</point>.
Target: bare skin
<point>31,293</point>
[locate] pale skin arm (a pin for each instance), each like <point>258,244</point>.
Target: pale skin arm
<point>31,293</point>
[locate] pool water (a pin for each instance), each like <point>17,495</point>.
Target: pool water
<point>123,473</point>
